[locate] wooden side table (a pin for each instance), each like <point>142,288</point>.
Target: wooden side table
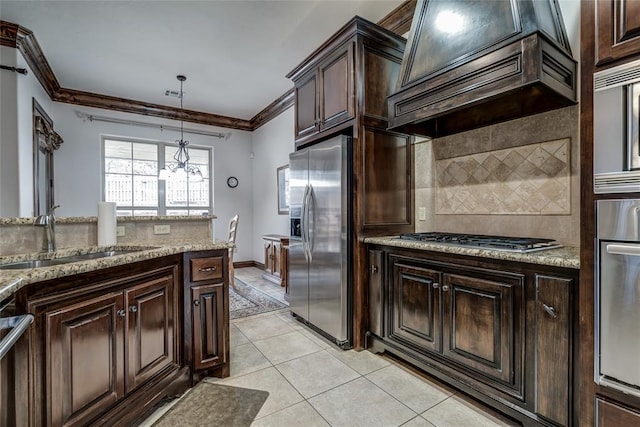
<point>276,258</point>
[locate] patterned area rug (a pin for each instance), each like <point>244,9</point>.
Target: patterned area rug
<point>246,301</point>
<point>215,405</point>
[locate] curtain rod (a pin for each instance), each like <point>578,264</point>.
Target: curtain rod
<point>17,70</point>
<point>93,118</point>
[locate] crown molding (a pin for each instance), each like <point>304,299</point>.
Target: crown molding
<point>23,39</point>
<point>273,109</point>
<point>399,19</point>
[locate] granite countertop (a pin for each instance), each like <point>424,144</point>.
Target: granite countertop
<point>568,257</point>
<point>12,280</point>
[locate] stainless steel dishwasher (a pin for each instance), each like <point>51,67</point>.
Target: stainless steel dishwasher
<point>12,327</point>
<point>617,316</point>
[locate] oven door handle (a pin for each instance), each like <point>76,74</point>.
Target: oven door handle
<point>19,324</point>
<point>621,249</point>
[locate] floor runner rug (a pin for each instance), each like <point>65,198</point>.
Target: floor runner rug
<point>246,300</point>
<point>214,405</point>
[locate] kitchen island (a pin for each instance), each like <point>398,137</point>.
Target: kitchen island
<point>114,335</point>
<point>500,326</point>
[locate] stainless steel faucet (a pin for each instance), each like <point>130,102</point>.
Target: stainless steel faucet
<point>49,222</point>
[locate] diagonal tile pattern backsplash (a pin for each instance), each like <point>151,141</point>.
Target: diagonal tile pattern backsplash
<point>527,180</point>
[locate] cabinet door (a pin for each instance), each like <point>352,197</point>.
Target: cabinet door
<point>268,257</point>
<point>611,415</point>
<point>337,96</point>
<point>618,29</point>
<point>483,326</point>
<point>376,293</point>
<point>306,95</point>
<point>415,307</point>
<point>208,325</point>
<point>149,329</point>
<point>388,180</point>
<point>553,347</point>
<point>277,255</point>
<point>85,359</point>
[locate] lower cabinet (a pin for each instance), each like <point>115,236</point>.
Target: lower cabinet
<point>97,344</point>
<point>609,414</point>
<point>500,331</point>
<point>206,313</point>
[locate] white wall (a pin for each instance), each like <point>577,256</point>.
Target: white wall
<point>9,191</point>
<point>271,144</point>
<point>16,137</point>
<point>78,165</point>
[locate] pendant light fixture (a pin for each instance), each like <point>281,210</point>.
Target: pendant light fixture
<point>181,166</point>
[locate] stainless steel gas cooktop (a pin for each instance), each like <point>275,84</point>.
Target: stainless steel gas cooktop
<point>499,243</point>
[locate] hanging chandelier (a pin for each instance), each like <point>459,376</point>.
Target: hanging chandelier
<point>181,157</point>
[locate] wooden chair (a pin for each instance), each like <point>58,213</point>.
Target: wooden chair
<point>233,227</point>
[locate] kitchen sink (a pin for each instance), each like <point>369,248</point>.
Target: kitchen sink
<point>34,263</point>
<point>38,263</point>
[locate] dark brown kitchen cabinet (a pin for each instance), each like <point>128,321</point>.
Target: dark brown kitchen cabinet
<point>501,331</point>
<point>617,30</point>
<point>206,313</point>
<point>324,95</point>
<point>91,335</point>
<point>610,414</point>
<point>275,258</point>
<point>208,321</point>
<point>416,310</point>
<point>99,342</point>
<point>553,347</point>
<point>149,330</point>
<point>483,327</point>
<point>342,88</point>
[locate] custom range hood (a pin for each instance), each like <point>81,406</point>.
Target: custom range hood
<point>469,64</point>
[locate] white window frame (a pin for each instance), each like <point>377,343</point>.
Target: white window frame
<point>160,146</point>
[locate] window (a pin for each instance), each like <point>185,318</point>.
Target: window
<point>131,179</point>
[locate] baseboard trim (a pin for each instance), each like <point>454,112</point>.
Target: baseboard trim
<point>244,264</point>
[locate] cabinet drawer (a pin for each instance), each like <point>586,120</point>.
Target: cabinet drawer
<point>206,268</point>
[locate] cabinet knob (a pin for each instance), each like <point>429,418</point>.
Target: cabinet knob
<point>122,313</point>
<point>445,288</point>
<point>374,269</point>
<point>207,269</point>
<point>436,285</point>
<point>196,302</point>
<point>550,310</point>
<point>133,308</point>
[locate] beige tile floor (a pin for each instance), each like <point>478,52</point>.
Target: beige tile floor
<point>311,382</point>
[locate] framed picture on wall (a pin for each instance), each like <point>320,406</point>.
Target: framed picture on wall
<point>283,189</point>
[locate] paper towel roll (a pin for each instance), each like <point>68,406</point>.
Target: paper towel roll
<point>106,223</point>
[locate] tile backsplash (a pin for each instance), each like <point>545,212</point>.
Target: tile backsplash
<point>528,180</point>
<point>518,178</point>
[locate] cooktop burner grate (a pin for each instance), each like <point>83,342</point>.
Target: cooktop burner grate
<point>501,243</point>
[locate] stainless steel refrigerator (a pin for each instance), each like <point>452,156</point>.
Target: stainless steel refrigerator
<point>319,244</point>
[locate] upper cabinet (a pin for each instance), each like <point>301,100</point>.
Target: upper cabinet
<point>617,30</point>
<point>475,63</point>
<point>325,94</point>
<point>347,77</point>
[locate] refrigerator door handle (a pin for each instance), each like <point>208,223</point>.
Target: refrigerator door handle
<point>304,224</point>
<point>311,210</point>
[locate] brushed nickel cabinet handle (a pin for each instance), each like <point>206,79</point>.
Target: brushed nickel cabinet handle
<point>445,288</point>
<point>207,269</point>
<point>436,285</point>
<point>196,302</point>
<point>122,313</point>
<point>550,310</point>
<point>374,269</point>
<point>133,308</point>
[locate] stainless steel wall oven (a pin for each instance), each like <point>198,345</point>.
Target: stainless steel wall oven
<point>617,316</point>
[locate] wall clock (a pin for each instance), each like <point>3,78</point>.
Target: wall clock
<point>232,182</point>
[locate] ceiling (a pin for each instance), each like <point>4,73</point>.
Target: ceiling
<point>234,53</point>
